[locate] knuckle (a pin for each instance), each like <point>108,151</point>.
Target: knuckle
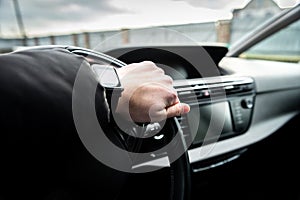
<point>160,70</point>
<point>149,63</point>
<point>169,79</point>
<point>178,112</point>
<point>171,98</point>
<point>173,95</point>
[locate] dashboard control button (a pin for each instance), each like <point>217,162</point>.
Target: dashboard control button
<point>247,103</point>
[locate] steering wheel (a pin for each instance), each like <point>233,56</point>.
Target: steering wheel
<point>179,170</point>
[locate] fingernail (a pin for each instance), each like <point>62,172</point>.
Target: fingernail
<point>186,108</point>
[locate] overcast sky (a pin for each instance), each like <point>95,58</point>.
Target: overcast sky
<point>43,17</point>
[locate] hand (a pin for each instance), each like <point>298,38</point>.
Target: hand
<point>148,94</point>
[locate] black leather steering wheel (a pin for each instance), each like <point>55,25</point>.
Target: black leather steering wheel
<point>179,170</point>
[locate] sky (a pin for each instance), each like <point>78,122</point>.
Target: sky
<point>45,17</point>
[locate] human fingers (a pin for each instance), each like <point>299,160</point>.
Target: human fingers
<point>166,104</point>
<point>177,110</point>
<point>146,70</point>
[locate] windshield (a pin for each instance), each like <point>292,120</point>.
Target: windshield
<point>114,23</point>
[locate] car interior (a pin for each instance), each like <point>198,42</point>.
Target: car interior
<point>240,139</point>
<point>255,155</point>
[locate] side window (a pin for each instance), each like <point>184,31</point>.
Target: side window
<point>283,45</point>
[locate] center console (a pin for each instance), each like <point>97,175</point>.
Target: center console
<point>221,107</point>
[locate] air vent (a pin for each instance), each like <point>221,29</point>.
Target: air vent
<point>197,91</point>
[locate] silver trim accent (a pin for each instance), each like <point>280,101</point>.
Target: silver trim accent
<point>219,81</point>
<point>217,164</point>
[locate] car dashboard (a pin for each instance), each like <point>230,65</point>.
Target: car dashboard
<point>221,104</point>
<point>227,96</point>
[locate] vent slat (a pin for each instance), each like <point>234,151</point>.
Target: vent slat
<point>199,92</point>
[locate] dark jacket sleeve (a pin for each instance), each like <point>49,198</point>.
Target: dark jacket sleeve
<point>38,140</point>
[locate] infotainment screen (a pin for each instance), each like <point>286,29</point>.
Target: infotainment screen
<point>214,121</point>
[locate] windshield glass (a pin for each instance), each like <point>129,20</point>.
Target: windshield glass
<point>131,22</point>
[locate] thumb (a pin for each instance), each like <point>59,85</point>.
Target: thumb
<point>177,109</point>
